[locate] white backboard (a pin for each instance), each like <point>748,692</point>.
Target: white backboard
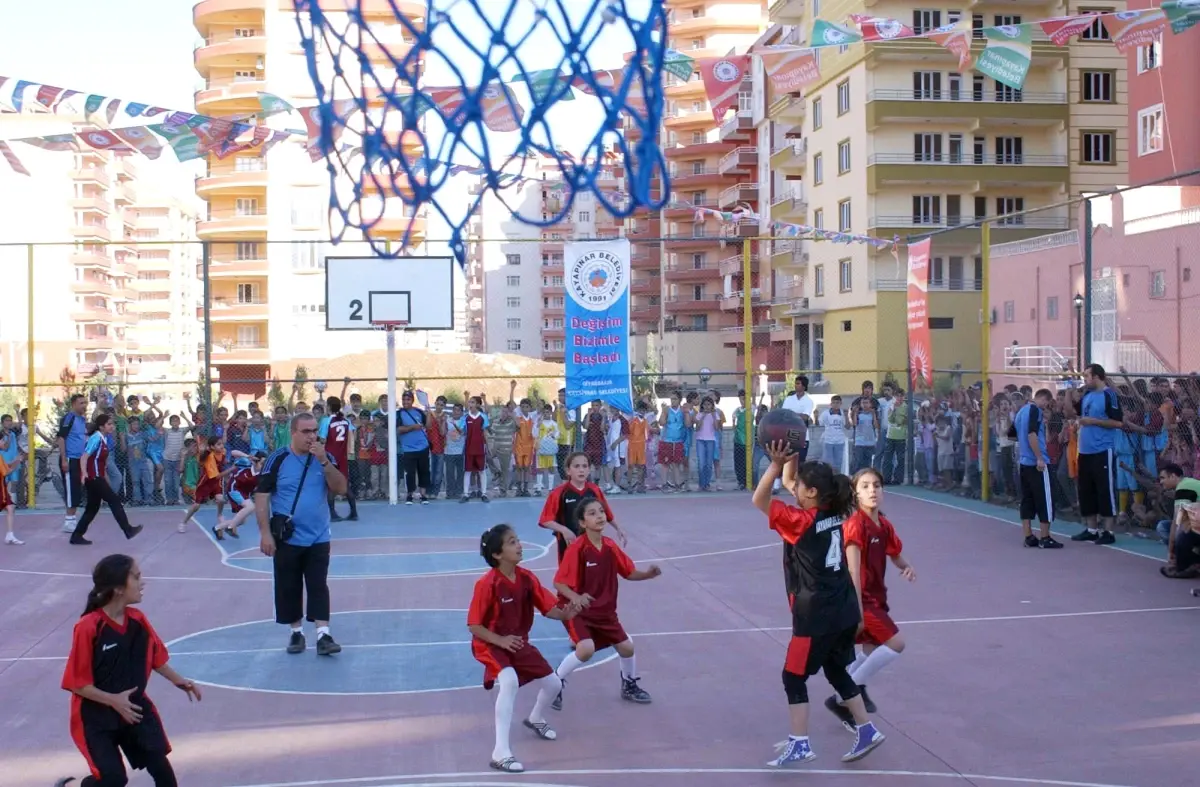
<point>417,290</point>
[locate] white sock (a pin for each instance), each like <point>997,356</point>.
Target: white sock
<point>322,631</point>
<point>483,487</point>
<point>629,667</point>
<point>859,657</point>
<point>297,629</point>
<point>570,663</point>
<point>879,658</point>
<point>506,701</point>
<point>548,689</point>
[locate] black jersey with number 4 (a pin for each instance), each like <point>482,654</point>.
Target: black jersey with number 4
<point>814,570</point>
<point>114,658</point>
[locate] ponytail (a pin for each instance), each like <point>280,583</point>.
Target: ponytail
<point>97,598</point>
<point>842,499</point>
<point>109,575</point>
<point>835,492</point>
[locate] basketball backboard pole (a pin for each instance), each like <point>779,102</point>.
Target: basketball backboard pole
<point>394,442</point>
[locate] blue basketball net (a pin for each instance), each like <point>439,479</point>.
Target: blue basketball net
<point>389,132</point>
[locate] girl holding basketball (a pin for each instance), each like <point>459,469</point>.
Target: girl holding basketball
<point>587,579</point>
<point>870,542</point>
<point>558,514</point>
<point>825,613</point>
<point>499,619</point>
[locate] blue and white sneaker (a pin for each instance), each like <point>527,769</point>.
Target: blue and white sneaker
<point>866,740</point>
<point>792,750</point>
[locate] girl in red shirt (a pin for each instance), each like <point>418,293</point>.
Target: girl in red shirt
<point>499,619</point>
<point>113,651</point>
<point>558,514</point>
<point>587,579</point>
<point>870,542</point>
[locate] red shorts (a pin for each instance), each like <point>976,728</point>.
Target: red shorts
<point>603,632</point>
<point>5,498</point>
<point>670,453</point>
<point>207,489</point>
<point>878,626</point>
<point>474,463</point>
<point>528,662</point>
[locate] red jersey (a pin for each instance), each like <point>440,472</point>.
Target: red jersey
<point>243,482</point>
<point>113,658</point>
<point>586,569</point>
<point>337,439</point>
<point>95,456</point>
<point>506,607</point>
<point>562,500</point>
<point>877,543</point>
<point>474,441</point>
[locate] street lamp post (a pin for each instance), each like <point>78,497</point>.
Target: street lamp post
<point>1078,301</point>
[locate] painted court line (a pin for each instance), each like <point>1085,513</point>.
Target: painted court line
<point>799,772</point>
<point>681,633</point>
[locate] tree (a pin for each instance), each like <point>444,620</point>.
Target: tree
<point>301,378</point>
<point>410,383</point>
<point>276,396</point>
<point>534,392</point>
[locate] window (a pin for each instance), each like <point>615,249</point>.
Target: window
<point>513,322</point>
<point>246,293</point>
<point>1097,87</point>
<point>512,259</point>
<point>843,157</point>
<point>844,216</point>
<point>927,85</point>
<point>818,169</point>
<point>816,8</point>
<point>816,111</point>
<point>697,43</point>
<point>1010,150</point>
<point>1010,205</point>
<point>245,207</point>
<point>1052,307</point>
<point>306,256</point>
<point>1158,284</point>
<point>927,147</point>
<point>697,106</point>
<point>513,303</point>
<point>925,20</point>
<point>698,138</point>
<point>513,281</point>
<point>245,76</point>
<point>976,25</point>
<point>699,261</point>
<point>1098,147</point>
<point>843,97</point>
<point>1097,31</point>
<point>819,218</point>
<point>847,326</point>
<point>249,164</point>
<point>513,345</point>
<point>247,335</point>
<point>1150,56</point>
<point>1010,311</point>
<point>941,323</point>
<point>309,207</point>
<point>1006,19</point>
<point>697,167</point>
<point>585,215</point>
<point>819,280</point>
<point>927,209</point>
<point>953,16</point>
<point>248,250</point>
<point>1150,130</point>
<point>244,32</point>
<point>699,198</point>
<point>845,275</point>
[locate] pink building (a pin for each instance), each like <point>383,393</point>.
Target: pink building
<point>1145,267</point>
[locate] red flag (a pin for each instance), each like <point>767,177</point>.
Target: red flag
<point>102,140</point>
<point>1064,28</point>
<point>46,95</point>
<point>723,77</point>
<point>140,138</point>
<point>876,28</point>
<point>12,159</point>
<point>230,145</point>
<point>920,349</point>
<point>1130,29</point>
<point>956,38</point>
<point>791,70</point>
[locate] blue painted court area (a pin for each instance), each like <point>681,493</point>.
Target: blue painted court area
<point>384,652</point>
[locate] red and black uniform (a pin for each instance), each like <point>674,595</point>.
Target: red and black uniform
<point>242,482</point>
<point>824,608</point>
<point>560,507</point>
<point>595,571</point>
<point>506,608</point>
<point>877,543</point>
<point>475,444</point>
<point>337,441</point>
<point>116,658</point>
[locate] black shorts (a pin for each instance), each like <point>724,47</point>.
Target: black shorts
<point>809,655</point>
<point>1097,484</point>
<point>141,743</point>
<point>73,484</point>
<point>1035,494</point>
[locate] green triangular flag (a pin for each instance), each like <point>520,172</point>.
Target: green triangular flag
<point>830,34</point>
<point>679,64</point>
<point>542,82</point>
<point>1183,14</point>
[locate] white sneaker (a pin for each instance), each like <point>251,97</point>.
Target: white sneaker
<point>183,527</point>
<point>68,526</point>
<point>11,538</point>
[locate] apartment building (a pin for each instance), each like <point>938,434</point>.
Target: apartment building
<point>514,273</point>
<point>893,141</point>
<point>694,311</point>
<point>267,215</point>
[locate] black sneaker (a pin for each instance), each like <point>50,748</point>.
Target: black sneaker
<point>335,518</point>
<point>630,690</point>
<point>219,532</point>
<point>64,782</point>
<point>484,499</point>
<point>326,646</point>
<point>1031,541</point>
<point>133,531</point>
<point>1049,543</point>
<point>866,698</point>
<point>352,518</point>
<point>557,704</point>
<point>465,499</point>
<point>409,500</point>
<point>296,643</point>
<point>1105,538</point>
<point>424,500</point>
<point>842,713</point>
<point>80,541</point>
<point>1085,535</point>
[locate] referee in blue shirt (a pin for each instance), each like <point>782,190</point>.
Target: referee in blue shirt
<point>1100,418</point>
<point>1036,500</point>
<point>296,483</point>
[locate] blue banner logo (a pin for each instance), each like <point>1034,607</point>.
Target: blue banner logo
<point>597,324</point>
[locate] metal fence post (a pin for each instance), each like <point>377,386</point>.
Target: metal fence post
<point>985,349</point>
<point>205,265</point>
<point>747,338</point>
<point>30,387</point>
<point>1086,317</point>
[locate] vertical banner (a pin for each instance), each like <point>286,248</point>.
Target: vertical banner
<point>920,351</point>
<point>596,348</point>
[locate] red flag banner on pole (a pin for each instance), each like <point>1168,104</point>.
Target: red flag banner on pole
<point>723,77</point>
<point>920,350</point>
<point>1064,28</point>
<point>790,71</point>
<point>1131,29</point>
<point>877,28</point>
<point>956,39</point>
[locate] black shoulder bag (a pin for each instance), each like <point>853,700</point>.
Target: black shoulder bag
<point>282,526</point>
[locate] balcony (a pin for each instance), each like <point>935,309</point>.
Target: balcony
<point>230,51</point>
<point>555,309</point>
<point>555,355</point>
<point>230,351</point>
<point>89,285</point>
<point>697,177</point>
<point>791,156</point>
<point>790,204</point>
<point>927,51</point>
<point>230,179</point>
<point>92,205</point>
<point>738,160</point>
<point>743,192</point>
<point>554,333</point>
<point>644,312</point>
<point>223,95</point>
<point>734,265</point>
<point>223,225</point>
<point>553,243</point>
<point>91,232</point>
<point>645,285</point>
<point>688,120</point>
<point>385,51</point>
<point>788,254</point>
<point>787,12</point>
<point>1004,229</point>
<point>788,110</point>
<point>681,241</point>
<point>233,268</point>
<point>91,312</point>
<point>410,9</point>
<point>739,127</point>
<point>94,174</point>
<point>551,290</point>
<point>692,270</point>
<point>879,284</point>
<point>734,301</point>
<point>678,89</point>
<point>990,170</point>
<point>234,310</point>
<point>394,224</point>
<point>678,304</point>
<point>229,12</point>
<point>971,108</point>
<point>124,195</point>
<point>691,25</point>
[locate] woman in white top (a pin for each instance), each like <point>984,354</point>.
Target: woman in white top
<point>833,421</point>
